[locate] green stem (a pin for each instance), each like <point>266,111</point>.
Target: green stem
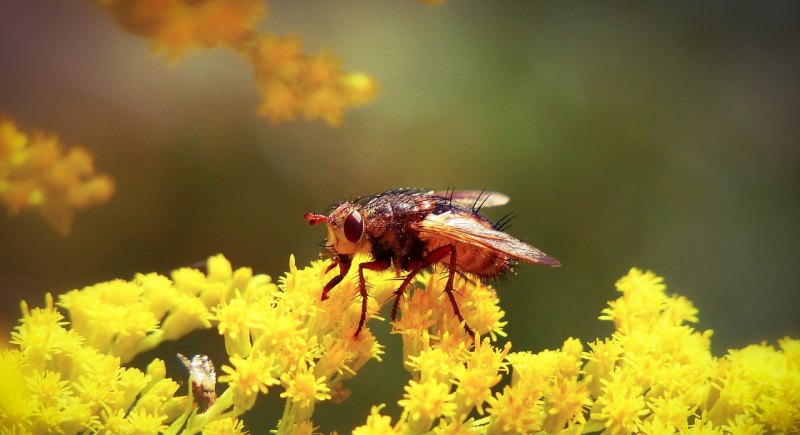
<point>213,413</point>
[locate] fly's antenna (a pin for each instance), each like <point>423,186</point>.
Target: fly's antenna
<point>199,264</point>
<point>314,219</point>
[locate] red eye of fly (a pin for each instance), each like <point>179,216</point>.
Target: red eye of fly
<point>353,226</point>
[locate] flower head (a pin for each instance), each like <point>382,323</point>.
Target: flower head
<point>38,174</point>
<point>376,423</point>
<point>304,388</point>
<point>426,401</point>
<point>248,377</point>
<point>655,374</point>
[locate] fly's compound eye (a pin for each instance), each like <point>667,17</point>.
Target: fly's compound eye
<point>353,226</point>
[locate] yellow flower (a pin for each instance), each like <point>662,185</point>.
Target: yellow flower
<point>176,26</point>
<point>142,422</point>
<point>290,82</point>
<point>188,313</point>
<point>424,402</point>
<point>280,56</point>
<point>655,374</point>
<point>743,424</point>
<point>481,308</point>
<point>326,104</point>
<point>358,88</point>
<point>225,426</point>
<point>642,301</point>
<point>433,364</point>
<point>415,322</point>
<point>333,363</point>
<point>233,323</point>
<point>229,22</point>
<point>567,400</point>
<point>248,377</point>
<point>602,357</point>
<point>517,409</point>
<point>16,403</point>
<point>622,404</point>
<point>476,377</point>
<point>305,389</point>
<point>478,303</point>
<point>219,269</point>
<point>376,424</point>
<point>43,339</point>
<point>762,381</point>
<point>37,173</point>
<point>112,316</point>
<point>68,386</point>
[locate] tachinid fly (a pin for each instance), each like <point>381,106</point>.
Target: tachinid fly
<point>416,229</point>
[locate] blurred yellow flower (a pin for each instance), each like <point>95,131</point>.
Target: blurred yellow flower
<point>290,82</point>
<point>376,424</point>
<point>37,173</point>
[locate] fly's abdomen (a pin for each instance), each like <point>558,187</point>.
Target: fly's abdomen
<point>481,262</point>
<point>473,260</point>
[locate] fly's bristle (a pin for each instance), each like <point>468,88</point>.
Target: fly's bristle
<point>485,198</point>
<point>475,207</point>
<point>505,222</point>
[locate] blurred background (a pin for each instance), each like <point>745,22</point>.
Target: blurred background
<point>661,136</point>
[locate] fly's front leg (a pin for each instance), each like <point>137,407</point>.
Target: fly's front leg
<point>377,265</point>
<point>344,265</point>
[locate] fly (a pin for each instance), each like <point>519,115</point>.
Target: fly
<point>414,230</point>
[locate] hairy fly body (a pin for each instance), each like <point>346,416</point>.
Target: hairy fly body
<point>413,230</point>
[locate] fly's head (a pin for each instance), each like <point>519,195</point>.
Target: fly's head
<point>346,228</point>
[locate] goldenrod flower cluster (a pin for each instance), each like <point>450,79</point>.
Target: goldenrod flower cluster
<point>38,173</point>
<point>290,82</point>
<point>655,374</point>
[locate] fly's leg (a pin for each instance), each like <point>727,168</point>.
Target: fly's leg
<point>377,266</point>
<point>448,288</point>
<point>430,259</point>
<point>415,268</point>
<point>344,265</point>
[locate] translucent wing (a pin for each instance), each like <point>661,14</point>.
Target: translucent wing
<point>464,228</point>
<point>474,198</point>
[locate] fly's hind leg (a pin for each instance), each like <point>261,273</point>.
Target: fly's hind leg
<point>448,288</point>
<point>430,259</point>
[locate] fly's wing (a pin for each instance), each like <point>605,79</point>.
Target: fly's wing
<point>474,198</point>
<point>464,228</point>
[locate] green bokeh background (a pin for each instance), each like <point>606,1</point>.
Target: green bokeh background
<point>662,136</point>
